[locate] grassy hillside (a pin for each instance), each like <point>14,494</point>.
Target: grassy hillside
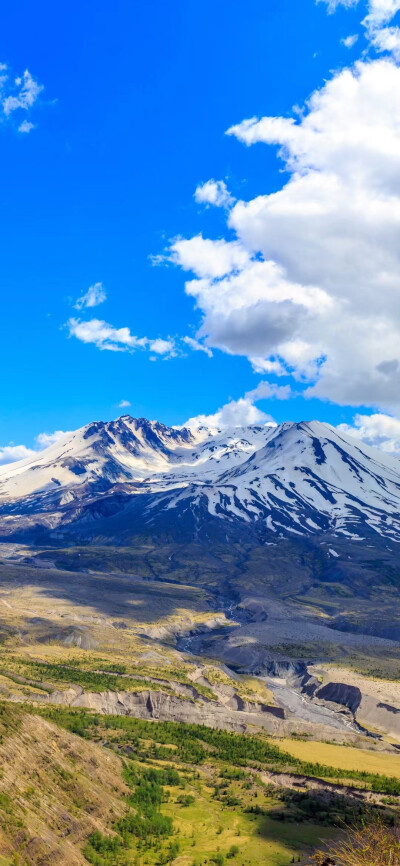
<point>347,758</point>
<point>55,790</point>
<point>80,788</point>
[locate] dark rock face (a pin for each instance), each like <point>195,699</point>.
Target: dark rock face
<point>284,669</point>
<point>99,429</point>
<point>78,467</point>
<point>310,685</point>
<point>341,693</point>
<point>389,708</point>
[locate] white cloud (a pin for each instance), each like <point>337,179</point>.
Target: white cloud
<point>124,404</point>
<point>382,37</point>
<point>196,346</point>
<point>380,13</point>
<point>107,338</point>
<point>94,296</point>
<point>378,430</point>
<point>237,413</point>
<point>243,412</point>
<point>208,258</point>
<point>44,440</point>
<point>12,453</point>
<point>162,347</point>
<point>269,390</point>
<point>333,4</point>
<point>26,126</point>
<point>18,94</point>
<point>213,192</point>
<point>310,286</point>
<point>268,365</point>
<point>387,39</point>
<point>251,311</point>
<point>27,90</point>
<point>350,41</point>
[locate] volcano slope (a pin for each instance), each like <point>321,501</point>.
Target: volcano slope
<point>255,547</point>
<point>133,476</point>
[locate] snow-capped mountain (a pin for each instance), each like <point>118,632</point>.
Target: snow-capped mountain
<point>294,479</point>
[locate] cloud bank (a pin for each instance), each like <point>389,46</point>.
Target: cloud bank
<point>243,412</point>
<point>12,453</point>
<point>309,285</point>
<point>378,430</point>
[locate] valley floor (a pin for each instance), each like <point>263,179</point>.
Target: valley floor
<point>79,787</point>
<point>95,669</point>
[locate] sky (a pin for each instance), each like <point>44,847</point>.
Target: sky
<point>200,214</point>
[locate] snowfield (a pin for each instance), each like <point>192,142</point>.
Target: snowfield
<point>296,479</point>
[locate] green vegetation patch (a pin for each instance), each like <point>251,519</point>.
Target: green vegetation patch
<point>93,681</point>
<point>195,744</point>
<point>10,719</point>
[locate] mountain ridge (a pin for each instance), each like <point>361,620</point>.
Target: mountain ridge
<point>296,478</point>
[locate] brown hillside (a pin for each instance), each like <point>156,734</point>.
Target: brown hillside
<point>55,789</point>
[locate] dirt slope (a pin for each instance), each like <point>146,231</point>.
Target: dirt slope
<point>55,790</point>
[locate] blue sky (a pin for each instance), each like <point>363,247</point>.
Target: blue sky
<point>136,101</point>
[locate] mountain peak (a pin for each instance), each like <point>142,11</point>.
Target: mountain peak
<point>297,478</point>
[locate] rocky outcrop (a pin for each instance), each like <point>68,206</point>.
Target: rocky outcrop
<point>374,704</point>
<point>186,630</point>
<point>341,693</point>
<point>149,704</point>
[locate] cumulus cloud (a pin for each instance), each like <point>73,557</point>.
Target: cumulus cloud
<point>18,94</point>
<point>107,338</point>
<point>243,412</point>
<point>12,453</point>
<point>387,39</point>
<point>124,404</point>
<point>207,258</point>
<point>214,192</point>
<point>236,413</point>
<point>380,13</point>
<point>162,347</point>
<point>383,38</point>
<point>309,284</point>
<point>378,430</point>
<point>94,296</point>
<point>44,440</point>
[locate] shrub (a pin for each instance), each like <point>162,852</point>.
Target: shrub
<point>374,844</point>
